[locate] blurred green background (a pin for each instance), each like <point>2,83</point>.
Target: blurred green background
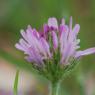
<point>17,14</point>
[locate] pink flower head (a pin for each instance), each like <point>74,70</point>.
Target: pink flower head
<point>58,41</point>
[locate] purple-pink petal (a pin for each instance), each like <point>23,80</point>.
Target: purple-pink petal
<point>63,21</point>
<point>45,28</point>
<point>18,46</point>
<point>52,23</point>
<point>76,29</point>
<point>85,52</point>
<point>55,40</point>
<point>45,47</point>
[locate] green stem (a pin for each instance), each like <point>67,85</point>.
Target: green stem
<point>54,88</point>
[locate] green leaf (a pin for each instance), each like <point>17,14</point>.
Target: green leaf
<point>15,89</point>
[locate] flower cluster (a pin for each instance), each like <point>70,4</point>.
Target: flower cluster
<point>38,46</point>
<point>56,43</point>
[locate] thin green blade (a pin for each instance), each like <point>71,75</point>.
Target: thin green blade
<point>16,83</point>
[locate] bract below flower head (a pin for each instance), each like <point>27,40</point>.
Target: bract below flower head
<point>56,44</point>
